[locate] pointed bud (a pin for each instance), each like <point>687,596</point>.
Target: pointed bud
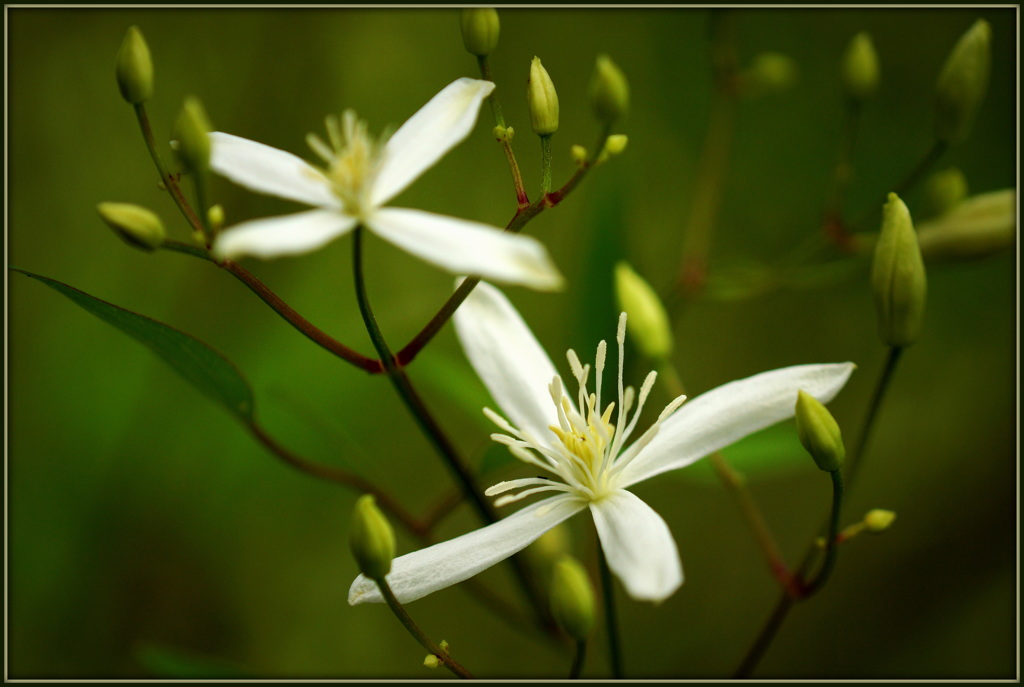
<point>609,91</point>
<point>572,598</point>
<point>134,68</point>
<point>371,539</point>
<point>543,100</point>
<point>897,277</point>
<point>480,28</point>
<point>771,72</point>
<point>980,226</point>
<point>819,433</point>
<point>192,134</point>
<point>860,68</point>
<point>962,83</point>
<point>878,520</point>
<point>943,191</point>
<point>135,224</point>
<point>648,322</point>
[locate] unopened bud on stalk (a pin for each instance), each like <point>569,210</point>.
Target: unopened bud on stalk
<point>543,100</point>
<point>480,28</point>
<point>772,72</point>
<point>431,661</point>
<point>962,83</point>
<point>860,68</point>
<point>572,598</point>
<point>215,216</point>
<point>371,539</point>
<point>609,91</point>
<point>135,224</point>
<point>613,145</point>
<point>134,68</point>
<point>579,155</point>
<point>977,227</point>
<point>878,520</point>
<point>897,277</point>
<point>192,132</point>
<point>648,322</point>
<point>819,433</point>
<point>943,191</point>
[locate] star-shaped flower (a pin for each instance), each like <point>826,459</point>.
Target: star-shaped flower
<point>582,446</point>
<point>360,175</point>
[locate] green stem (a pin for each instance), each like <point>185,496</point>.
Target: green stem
<point>611,621</point>
<point>577,661</point>
<point>766,637</point>
<point>831,547</point>
<point>545,165</point>
<point>857,455</point>
<point>517,179</point>
<point>403,616</point>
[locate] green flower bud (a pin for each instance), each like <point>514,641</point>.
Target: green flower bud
<point>819,432</point>
<point>371,539</point>
<point>134,68</point>
<point>878,520</point>
<point>943,191</point>
<point>980,226</point>
<point>192,132</point>
<point>543,100</point>
<point>962,83</point>
<point>135,224</point>
<point>572,598</point>
<point>609,91</point>
<point>771,72</point>
<point>431,661</point>
<point>860,68</point>
<point>480,28</point>
<point>648,323</point>
<point>579,155</point>
<point>897,277</point>
<point>215,216</point>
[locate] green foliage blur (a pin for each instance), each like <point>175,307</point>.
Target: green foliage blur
<point>150,536</point>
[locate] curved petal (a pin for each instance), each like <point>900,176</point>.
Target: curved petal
<point>285,235</point>
<point>425,571</point>
<point>464,247</point>
<point>730,412</point>
<point>268,170</point>
<point>508,359</point>
<point>638,546</point>
<point>424,139</point>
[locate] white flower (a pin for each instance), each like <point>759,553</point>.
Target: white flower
<point>583,452</point>
<point>361,175</point>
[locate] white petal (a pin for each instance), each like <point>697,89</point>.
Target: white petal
<point>508,359</point>
<point>638,545</point>
<point>424,139</point>
<point>730,412</point>
<point>268,170</point>
<point>464,247</point>
<point>284,235</point>
<point>425,571</point>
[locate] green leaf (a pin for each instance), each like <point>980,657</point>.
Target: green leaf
<point>772,452</point>
<point>200,365</point>
<point>171,663</point>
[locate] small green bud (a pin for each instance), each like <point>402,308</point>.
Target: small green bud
<point>898,279</point>
<point>962,83</point>
<point>572,598</point>
<point>771,72</point>
<point>135,224</point>
<point>943,191</point>
<point>480,28</point>
<point>648,323</point>
<point>860,68</point>
<point>819,433</point>
<point>609,91</point>
<point>616,143</point>
<point>215,216</point>
<point>192,134</point>
<point>443,645</point>
<point>878,520</point>
<point>431,661</point>
<point>371,539</point>
<point>980,226</point>
<point>579,155</point>
<point>543,100</point>
<point>134,68</point>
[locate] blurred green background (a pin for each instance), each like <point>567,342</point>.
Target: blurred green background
<point>146,527</point>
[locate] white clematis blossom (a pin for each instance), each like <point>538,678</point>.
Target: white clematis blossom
<point>359,177</point>
<point>582,445</point>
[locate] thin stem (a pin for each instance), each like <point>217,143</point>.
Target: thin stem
<point>545,165</point>
<point>857,455</point>
<point>304,326</point>
<point>833,226</point>
<point>403,616</point>
<point>506,143</point>
<point>764,640</point>
<point>831,547</point>
<point>611,621</point>
<point>577,661</point>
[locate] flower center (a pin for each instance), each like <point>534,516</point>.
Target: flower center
<point>353,158</point>
<point>589,443</point>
